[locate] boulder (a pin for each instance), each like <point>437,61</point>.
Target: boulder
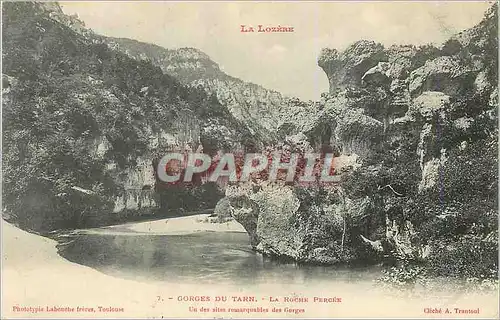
<point>303,224</point>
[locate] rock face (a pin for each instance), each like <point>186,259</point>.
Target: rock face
<point>89,129</point>
<point>404,84</point>
<point>347,68</point>
<point>305,225</point>
<point>260,109</point>
<point>398,112</point>
<point>450,75</point>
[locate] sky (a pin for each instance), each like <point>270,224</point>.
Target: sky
<point>286,62</point>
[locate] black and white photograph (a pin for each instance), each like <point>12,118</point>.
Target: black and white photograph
<point>249,159</point>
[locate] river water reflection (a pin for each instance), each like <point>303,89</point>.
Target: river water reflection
<point>208,257</point>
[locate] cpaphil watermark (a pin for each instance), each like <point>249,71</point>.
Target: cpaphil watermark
<point>174,168</point>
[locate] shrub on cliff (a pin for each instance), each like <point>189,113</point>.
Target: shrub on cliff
<point>469,257</point>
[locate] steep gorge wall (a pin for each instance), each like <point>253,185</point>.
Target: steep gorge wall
<point>260,109</point>
<point>82,132</point>
<point>399,113</point>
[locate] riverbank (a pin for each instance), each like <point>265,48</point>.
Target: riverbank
<point>170,226</point>
<point>35,276</point>
<point>182,225</point>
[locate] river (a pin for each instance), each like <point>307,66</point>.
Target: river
<point>208,257</point>
<point>146,267</point>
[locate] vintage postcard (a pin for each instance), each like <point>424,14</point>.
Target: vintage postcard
<point>241,159</point>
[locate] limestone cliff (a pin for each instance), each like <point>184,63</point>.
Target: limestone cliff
<point>82,132</point>
<point>260,109</point>
<point>414,131</point>
<point>409,117</point>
